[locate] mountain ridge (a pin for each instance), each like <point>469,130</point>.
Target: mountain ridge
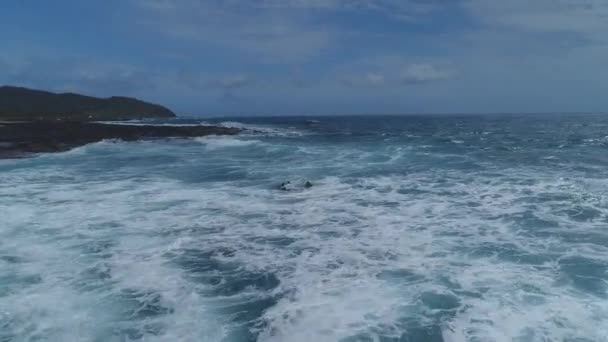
<point>25,104</point>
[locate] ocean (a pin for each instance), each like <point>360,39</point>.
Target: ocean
<point>413,228</point>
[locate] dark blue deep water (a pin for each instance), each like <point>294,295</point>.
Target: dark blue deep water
<point>416,228</point>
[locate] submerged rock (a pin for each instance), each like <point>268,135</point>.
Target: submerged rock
<point>286,186</point>
<point>290,186</point>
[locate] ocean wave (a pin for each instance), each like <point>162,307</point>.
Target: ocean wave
<point>220,142</point>
<point>348,258</point>
<point>154,123</point>
<point>171,241</point>
<point>84,149</point>
<point>265,130</point>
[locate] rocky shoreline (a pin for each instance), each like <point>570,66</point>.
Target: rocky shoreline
<point>22,139</point>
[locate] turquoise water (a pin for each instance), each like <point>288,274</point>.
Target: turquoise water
<point>431,228</point>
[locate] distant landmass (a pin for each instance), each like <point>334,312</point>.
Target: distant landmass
<point>23,104</point>
<point>35,121</point>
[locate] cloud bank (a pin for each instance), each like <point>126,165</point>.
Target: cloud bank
<point>318,56</point>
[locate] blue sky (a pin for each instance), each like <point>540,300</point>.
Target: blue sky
<point>274,57</point>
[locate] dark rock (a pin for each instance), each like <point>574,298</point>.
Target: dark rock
<point>290,186</point>
<point>18,139</point>
<point>285,186</point>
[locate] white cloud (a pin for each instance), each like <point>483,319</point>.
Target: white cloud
<point>263,35</point>
<point>564,39</point>
<point>233,81</point>
<point>158,5</point>
<point>393,72</point>
<point>405,10</point>
<point>370,79</point>
<point>423,73</point>
<point>71,71</point>
<point>398,7</point>
<point>85,75</point>
<point>576,16</point>
<point>258,47</point>
<point>284,31</point>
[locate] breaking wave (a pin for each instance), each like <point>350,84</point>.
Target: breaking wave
<point>397,239</point>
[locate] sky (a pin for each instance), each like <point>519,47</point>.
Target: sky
<point>315,57</point>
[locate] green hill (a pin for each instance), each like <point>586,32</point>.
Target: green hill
<point>22,104</point>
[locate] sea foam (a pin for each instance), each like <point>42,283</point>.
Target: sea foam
<point>416,240</point>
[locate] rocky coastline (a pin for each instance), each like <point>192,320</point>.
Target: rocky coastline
<point>37,121</point>
<point>23,139</point>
